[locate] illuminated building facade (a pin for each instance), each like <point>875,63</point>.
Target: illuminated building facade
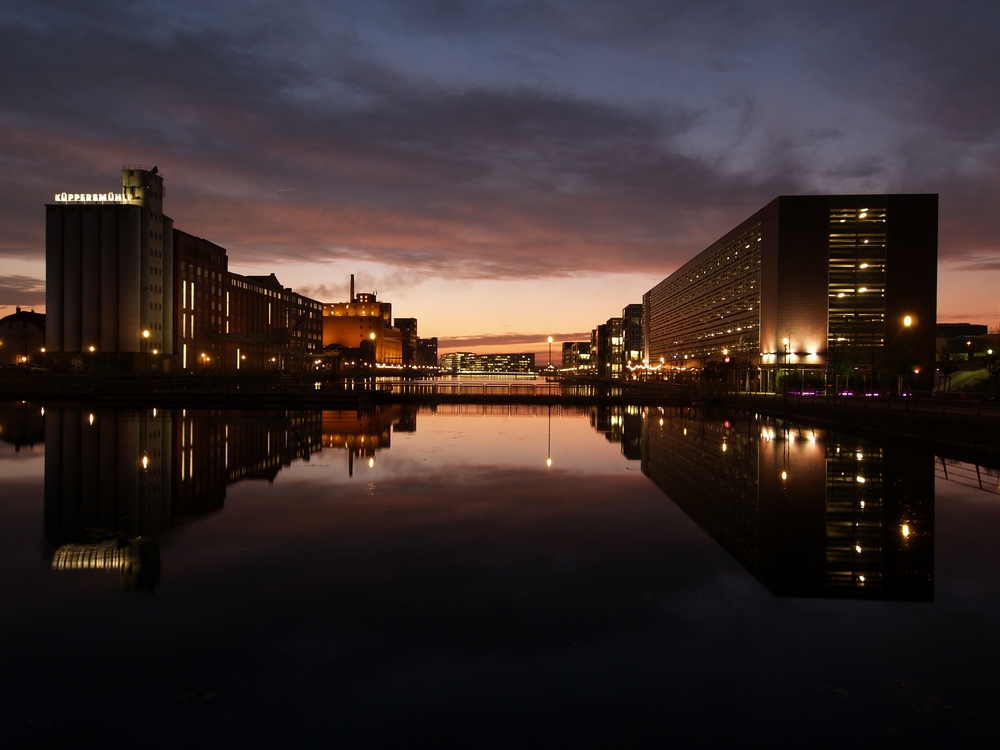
<point>610,349</point>
<point>633,342</point>
<point>576,356</point>
<point>363,323</point>
<point>226,322</point>
<point>109,271</point>
<point>814,285</point>
<point>470,363</point>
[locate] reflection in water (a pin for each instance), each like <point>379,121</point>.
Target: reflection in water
<point>21,424</point>
<point>362,432</point>
<point>808,513</point>
<point>620,425</point>
<point>116,481</point>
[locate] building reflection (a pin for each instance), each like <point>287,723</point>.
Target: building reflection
<point>21,424</point>
<point>362,432</point>
<point>116,481</point>
<point>809,513</point>
<point>620,424</point>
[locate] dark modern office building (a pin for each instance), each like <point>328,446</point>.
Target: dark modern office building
<point>427,352</point>
<point>810,288</point>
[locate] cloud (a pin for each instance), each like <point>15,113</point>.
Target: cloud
<point>480,141</point>
<point>22,290</point>
<point>510,339</point>
<point>976,264</point>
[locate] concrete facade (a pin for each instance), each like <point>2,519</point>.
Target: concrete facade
<point>827,287</point>
<point>109,269</point>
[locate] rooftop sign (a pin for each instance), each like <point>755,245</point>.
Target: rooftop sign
<point>90,198</point>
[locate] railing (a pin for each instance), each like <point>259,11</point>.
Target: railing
<point>924,402</point>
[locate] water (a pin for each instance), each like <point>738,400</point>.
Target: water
<point>488,577</point>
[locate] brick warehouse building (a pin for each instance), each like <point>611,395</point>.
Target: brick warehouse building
<point>841,289</point>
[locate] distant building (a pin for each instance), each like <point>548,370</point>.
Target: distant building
<point>22,337</point>
<point>427,352</point>
<point>576,357</point>
<point>610,349</point>
<point>408,339</point>
<point>469,363</point>
<point>363,324</point>
<point>830,287</point>
<point>633,341</point>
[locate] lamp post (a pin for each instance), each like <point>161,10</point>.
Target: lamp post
<point>907,325</point>
<point>784,370</point>
<point>145,351</point>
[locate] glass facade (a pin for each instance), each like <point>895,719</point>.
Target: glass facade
<point>857,283</point>
<point>710,305</point>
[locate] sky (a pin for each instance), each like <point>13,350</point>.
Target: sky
<point>501,171</point>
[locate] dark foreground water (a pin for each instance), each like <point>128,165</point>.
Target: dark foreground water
<point>498,577</point>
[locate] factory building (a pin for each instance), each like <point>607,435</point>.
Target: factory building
<point>126,291</point>
<point>363,324</point>
<point>822,289</point>
<point>109,269</point>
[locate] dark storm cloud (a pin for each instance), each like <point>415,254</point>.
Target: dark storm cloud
<point>295,134</point>
<point>486,183</point>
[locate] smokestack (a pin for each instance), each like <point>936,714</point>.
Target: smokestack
<point>352,289</point>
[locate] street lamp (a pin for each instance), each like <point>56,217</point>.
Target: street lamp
<point>145,351</point>
<point>785,369</point>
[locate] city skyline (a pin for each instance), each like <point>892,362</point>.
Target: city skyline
<point>500,173</point>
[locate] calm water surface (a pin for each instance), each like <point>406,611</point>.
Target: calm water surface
<point>488,577</point>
